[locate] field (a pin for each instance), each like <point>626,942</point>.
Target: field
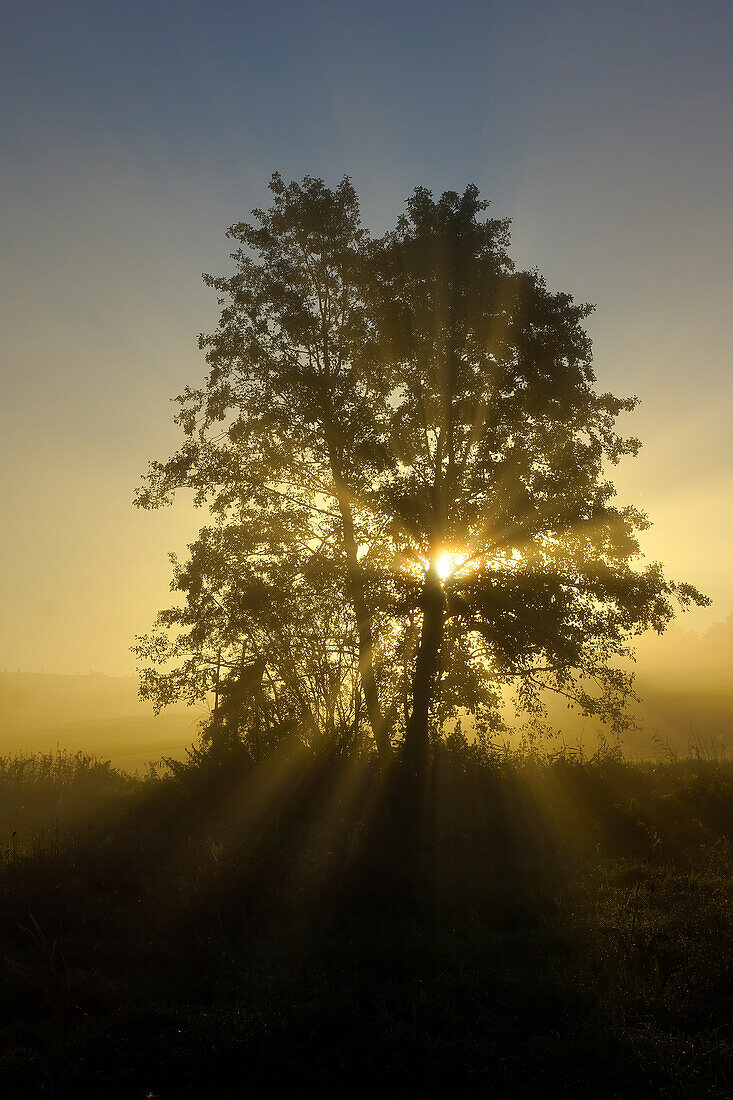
<point>223,928</point>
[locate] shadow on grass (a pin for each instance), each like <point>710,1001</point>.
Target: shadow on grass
<point>242,925</point>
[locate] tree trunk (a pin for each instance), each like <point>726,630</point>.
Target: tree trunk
<point>406,833</point>
<point>426,668</point>
<point>364,631</point>
<point>363,619</point>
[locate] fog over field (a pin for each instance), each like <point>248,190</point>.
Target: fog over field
<point>98,714</point>
<point>683,680</point>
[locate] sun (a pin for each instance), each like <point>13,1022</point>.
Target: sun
<point>448,563</point>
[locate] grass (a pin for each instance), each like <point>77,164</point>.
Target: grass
<point>228,929</point>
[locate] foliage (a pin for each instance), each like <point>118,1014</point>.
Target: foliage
<point>405,458</point>
<point>46,795</point>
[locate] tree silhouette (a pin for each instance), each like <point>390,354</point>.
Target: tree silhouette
<point>502,447</point>
<point>400,440</point>
<point>303,432</point>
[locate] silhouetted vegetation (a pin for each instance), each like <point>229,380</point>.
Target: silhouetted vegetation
<point>234,923</point>
<point>405,461</point>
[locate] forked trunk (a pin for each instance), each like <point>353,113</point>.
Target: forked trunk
<point>426,669</point>
<point>361,613</point>
<point>366,642</point>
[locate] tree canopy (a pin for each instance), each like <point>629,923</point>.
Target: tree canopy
<point>405,461</point>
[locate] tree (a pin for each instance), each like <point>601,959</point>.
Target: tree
<point>503,447</point>
<point>415,422</point>
<point>289,429</point>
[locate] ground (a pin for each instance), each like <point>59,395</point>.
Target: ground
<point>243,927</point>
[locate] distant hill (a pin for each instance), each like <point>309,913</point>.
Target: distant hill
<point>684,680</point>
<point>96,713</point>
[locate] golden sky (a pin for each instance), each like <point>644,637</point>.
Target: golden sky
<point>132,141</point>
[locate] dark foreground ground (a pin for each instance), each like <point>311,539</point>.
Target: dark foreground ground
<point>241,929</point>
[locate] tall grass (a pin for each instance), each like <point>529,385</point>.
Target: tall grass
<point>234,920</point>
<point>44,797</point>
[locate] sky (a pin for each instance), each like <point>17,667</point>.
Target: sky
<point>134,134</point>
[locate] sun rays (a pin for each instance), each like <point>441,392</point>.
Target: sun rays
<point>448,563</point>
